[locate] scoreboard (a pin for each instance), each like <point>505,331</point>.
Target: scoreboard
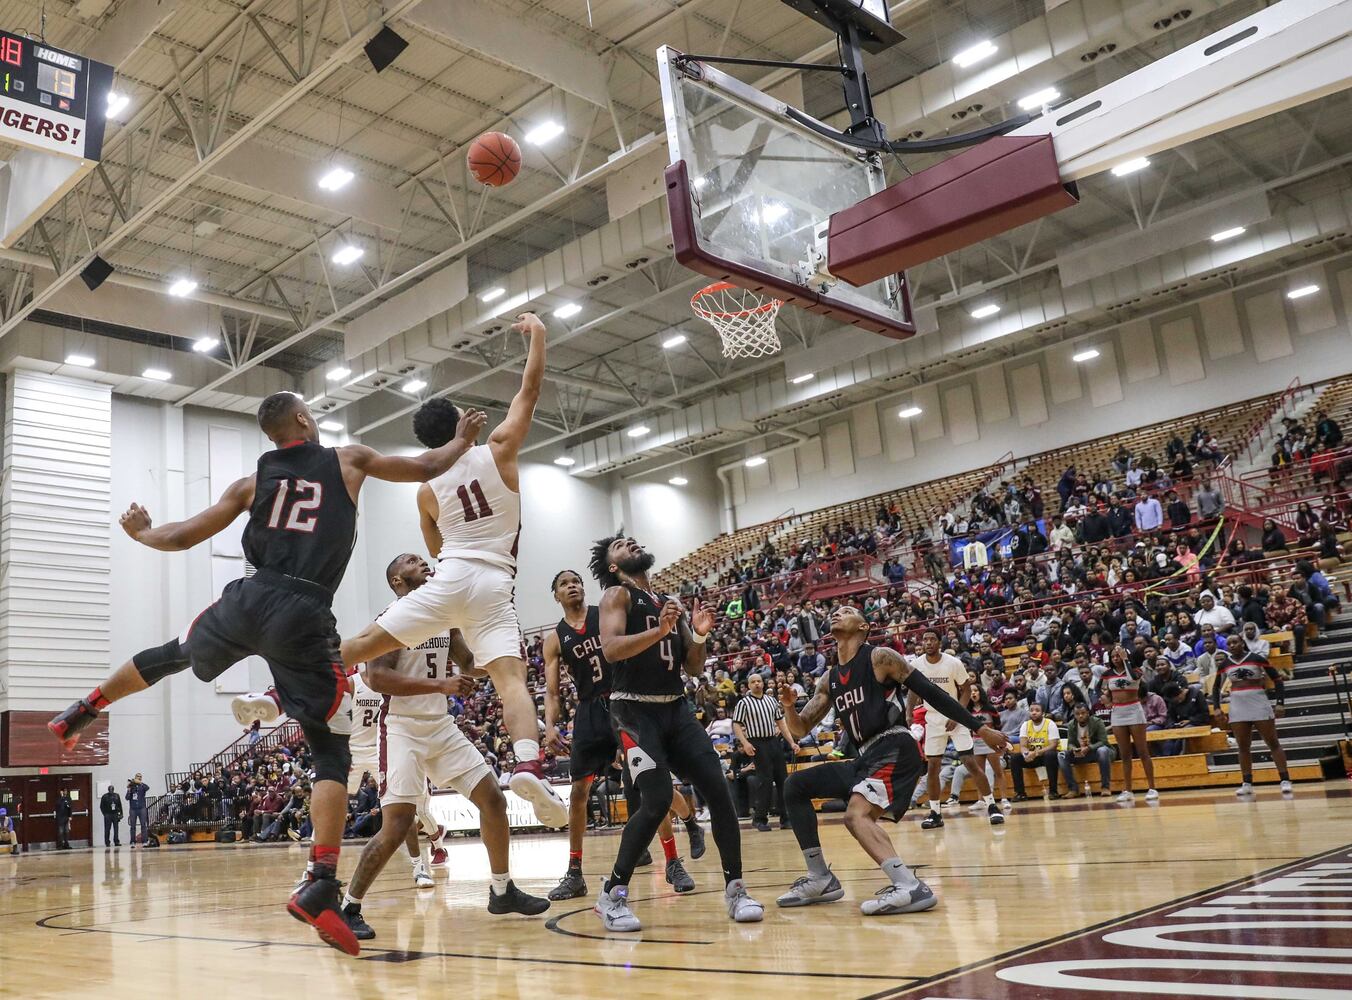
<point>52,100</point>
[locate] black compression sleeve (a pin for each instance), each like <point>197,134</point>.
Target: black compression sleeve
<point>945,703</point>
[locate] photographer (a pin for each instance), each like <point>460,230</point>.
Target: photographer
<point>136,810</point>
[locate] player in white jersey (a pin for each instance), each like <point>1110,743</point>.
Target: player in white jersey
<point>949,674</point>
<point>364,744</point>
<point>471,521</point>
<point>419,741</point>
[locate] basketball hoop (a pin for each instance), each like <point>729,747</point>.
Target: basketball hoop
<point>744,320</point>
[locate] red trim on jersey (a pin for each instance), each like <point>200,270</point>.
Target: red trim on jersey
<point>341,677</point>
<point>381,743</point>
<point>188,634</point>
<point>627,741</point>
<point>293,444</point>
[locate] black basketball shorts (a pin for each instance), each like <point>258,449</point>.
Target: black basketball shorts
<point>886,775</point>
<point>593,740</point>
<point>294,631</point>
<point>663,734</point>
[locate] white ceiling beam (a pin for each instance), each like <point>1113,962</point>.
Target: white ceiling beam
<point>517,42</point>
<point>127,30</point>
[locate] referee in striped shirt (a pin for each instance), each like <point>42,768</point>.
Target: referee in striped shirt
<point>758,722</point>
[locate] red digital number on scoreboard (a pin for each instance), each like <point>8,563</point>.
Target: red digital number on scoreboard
<point>11,51</point>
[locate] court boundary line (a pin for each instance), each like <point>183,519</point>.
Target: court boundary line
<point>942,977</point>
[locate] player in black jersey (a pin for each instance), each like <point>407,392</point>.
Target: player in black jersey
<point>302,506</point>
<point>575,645</point>
<point>648,641</point>
<point>865,689</point>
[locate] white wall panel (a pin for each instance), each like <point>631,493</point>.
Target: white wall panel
<point>960,408</point>
<point>810,458</point>
<point>784,470</point>
<point>1063,375</point>
<point>930,424</point>
<point>738,482</point>
<point>55,518</point>
<point>758,477</point>
<point>1182,353</point>
<point>1220,327</point>
<point>868,440</point>
<point>1105,381</point>
<point>1029,397</point>
<point>1138,351</point>
<point>992,395</point>
<point>837,449</point>
<point>1268,329</point>
<point>900,440</point>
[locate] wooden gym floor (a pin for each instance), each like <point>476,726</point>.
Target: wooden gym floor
<point>1047,907</point>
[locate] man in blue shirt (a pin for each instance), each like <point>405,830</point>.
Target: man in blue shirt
<point>7,833</point>
<point>137,811</point>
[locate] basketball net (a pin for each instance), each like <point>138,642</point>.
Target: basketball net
<point>744,320</point>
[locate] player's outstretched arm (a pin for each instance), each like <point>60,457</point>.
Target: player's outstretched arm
<point>888,664</point>
<point>179,535</point>
<point>509,435</point>
<point>801,723</point>
<point>615,644</point>
<point>463,657</point>
<point>552,666</point>
<point>417,468</point>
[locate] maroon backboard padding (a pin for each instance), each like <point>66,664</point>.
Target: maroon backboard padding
<point>979,193</point>
<point>25,741</point>
<point>689,253</point>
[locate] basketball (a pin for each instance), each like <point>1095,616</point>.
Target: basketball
<point>494,159</point>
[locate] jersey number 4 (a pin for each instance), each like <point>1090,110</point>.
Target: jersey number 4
<point>464,494</point>
<point>303,497</point>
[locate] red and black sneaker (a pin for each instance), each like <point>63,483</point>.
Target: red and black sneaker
<point>67,726</point>
<point>319,904</point>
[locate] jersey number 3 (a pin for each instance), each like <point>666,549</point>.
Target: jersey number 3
<point>470,513</point>
<point>304,498</point>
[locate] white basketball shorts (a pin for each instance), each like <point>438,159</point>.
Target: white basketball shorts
<point>479,598</point>
<point>416,751</point>
<point>936,737</point>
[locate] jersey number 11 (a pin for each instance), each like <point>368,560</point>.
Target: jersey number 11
<point>470,513</point>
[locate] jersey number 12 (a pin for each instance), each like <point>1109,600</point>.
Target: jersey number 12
<point>470,513</point>
<point>303,497</point>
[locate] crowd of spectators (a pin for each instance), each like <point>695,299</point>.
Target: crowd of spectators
<point>1320,444</point>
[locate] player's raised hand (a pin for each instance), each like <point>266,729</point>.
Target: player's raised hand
<point>135,520</point>
<point>528,324</point>
<point>702,619</point>
<point>671,614</point>
<point>470,424</point>
<point>457,684</point>
<point>787,697</point>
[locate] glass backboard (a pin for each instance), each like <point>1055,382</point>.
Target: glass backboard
<point>752,191</point>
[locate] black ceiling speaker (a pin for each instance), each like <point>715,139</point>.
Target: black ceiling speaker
<point>385,47</point>
<point>96,272</point>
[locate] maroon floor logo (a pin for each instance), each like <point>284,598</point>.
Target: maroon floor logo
<point>1284,934</point>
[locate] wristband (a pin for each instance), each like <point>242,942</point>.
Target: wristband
<point>697,639</point>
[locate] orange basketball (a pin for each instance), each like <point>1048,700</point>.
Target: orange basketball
<point>494,159</point>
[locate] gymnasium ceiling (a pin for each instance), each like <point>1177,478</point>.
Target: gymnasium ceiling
<point>238,106</point>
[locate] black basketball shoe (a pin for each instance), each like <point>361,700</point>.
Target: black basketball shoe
<point>67,726</point>
<point>516,901</point>
<point>361,930</point>
<point>318,903</point>
<point>571,886</point>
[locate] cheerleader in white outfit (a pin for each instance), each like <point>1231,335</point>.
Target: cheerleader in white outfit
<point>1253,685</point>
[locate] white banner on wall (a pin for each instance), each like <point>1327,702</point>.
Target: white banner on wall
<point>459,815</point>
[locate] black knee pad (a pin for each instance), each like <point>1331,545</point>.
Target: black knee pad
<point>332,757</point>
<point>159,662</point>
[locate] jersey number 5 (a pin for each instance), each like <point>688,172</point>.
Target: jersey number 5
<point>470,513</point>
<point>304,498</point>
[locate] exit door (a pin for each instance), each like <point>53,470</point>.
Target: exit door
<point>30,800</point>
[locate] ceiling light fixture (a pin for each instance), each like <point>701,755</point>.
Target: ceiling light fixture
<point>544,132</point>
<point>1302,291</point>
<point>754,461</point>
<point>347,254</point>
<point>206,344</point>
<point>1131,166</point>
<point>80,360</point>
<point>678,480</point>
<point>415,385</point>
<point>805,377</point>
<point>975,54</point>
<point>1039,99</point>
<point>336,178</point>
<point>675,341</point>
<point>182,287</point>
<point>493,294</point>
<point>332,426</point>
<point>772,211</point>
<point>565,460</point>
<point>1087,355</point>
<point>567,311</point>
<point>981,312</point>
<point>334,374</point>
<point>1226,234</point>
<point>117,103</point>
<point>157,374</point>
<point>909,412</point>
<point>637,432</point>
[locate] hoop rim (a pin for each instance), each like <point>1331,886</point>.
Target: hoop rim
<point>769,305</point>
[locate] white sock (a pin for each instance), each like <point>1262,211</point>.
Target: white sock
<point>526,750</point>
<point>413,859</point>
<point>350,900</point>
<point>500,883</point>
<point>425,854</point>
<point>816,864</point>
<point>988,799</point>
<point>899,873</point>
